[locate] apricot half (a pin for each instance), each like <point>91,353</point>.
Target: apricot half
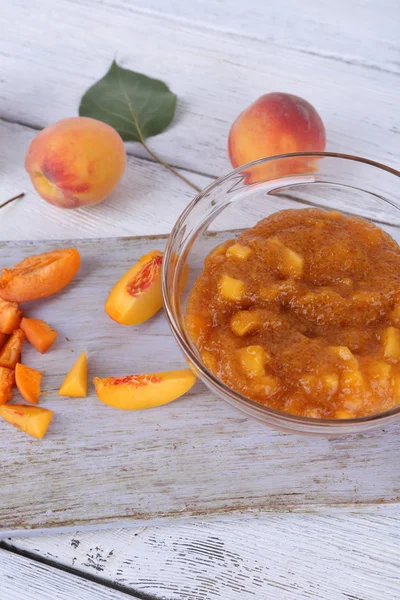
<point>136,297</point>
<point>39,276</point>
<point>10,316</point>
<point>28,383</point>
<point>135,392</point>
<point>33,420</point>
<point>10,354</point>
<point>38,333</point>
<point>75,383</point>
<point>7,380</point>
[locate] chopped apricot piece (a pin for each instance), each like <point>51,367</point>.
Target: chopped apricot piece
<point>245,321</point>
<point>238,251</point>
<point>391,343</point>
<point>39,276</point>
<point>347,358</point>
<point>10,316</point>
<point>252,360</point>
<point>10,354</point>
<point>291,264</point>
<point>136,297</point>
<point>230,288</point>
<point>75,383</point>
<point>33,420</point>
<point>38,333</point>
<point>28,383</point>
<point>7,380</point>
<point>135,392</point>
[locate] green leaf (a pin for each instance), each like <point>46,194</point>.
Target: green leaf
<point>136,106</point>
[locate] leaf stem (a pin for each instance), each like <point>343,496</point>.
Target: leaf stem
<point>144,143</point>
<point>12,199</point>
<point>166,165</point>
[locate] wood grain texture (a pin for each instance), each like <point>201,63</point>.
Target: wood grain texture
<point>273,557</point>
<point>215,74</point>
<point>22,578</point>
<point>195,457</point>
<point>148,200</point>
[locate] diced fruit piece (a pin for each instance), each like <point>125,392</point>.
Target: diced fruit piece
<point>39,276</point>
<point>10,316</point>
<point>252,360</point>
<point>330,383</point>
<point>7,380</point>
<point>136,297</point>
<point>75,383</point>
<point>352,382</point>
<point>33,420</point>
<point>379,372</point>
<point>271,292</point>
<point>209,360</point>
<point>309,383</point>
<point>291,263</point>
<point>238,251</point>
<point>135,392</point>
<point>10,354</point>
<point>230,288</point>
<point>76,162</point>
<point>391,343</point>
<point>341,413</point>
<point>38,333</point>
<point>269,384</point>
<point>245,321</point>
<point>28,383</point>
<point>347,358</point>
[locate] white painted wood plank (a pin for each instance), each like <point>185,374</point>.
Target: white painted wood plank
<point>23,578</point>
<point>148,200</point>
<point>356,32</point>
<point>195,457</point>
<point>275,557</point>
<point>215,75</point>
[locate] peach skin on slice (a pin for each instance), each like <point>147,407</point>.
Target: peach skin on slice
<point>33,420</point>
<point>75,383</point>
<point>10,316</point>
<point>28,383</point>
<point>7,380</point>
<point>136,297</point>
<point>11,351</point>
<point>38,333</point>
<point>135,392</point>
<point>39,276</point>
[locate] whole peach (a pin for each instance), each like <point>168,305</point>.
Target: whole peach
<point>276,123</point>
<point>76,162</point>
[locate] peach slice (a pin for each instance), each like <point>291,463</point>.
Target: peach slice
<point>10,354</point>
<point>33,420</point>
<point>75,383</point>
<point>136,297</point>
<point>10,316</point>
<point>28,383</point>
<point>38,333</point>
<point>39,276</point>
<point>135,392</point>
<point>7,380</point>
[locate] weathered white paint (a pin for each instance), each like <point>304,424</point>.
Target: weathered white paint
<point>215,74</point>
<point>274,557</point>
<point>197,456</point>
<point>23,578</point>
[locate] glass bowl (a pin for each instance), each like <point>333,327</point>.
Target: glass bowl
<point>353,185</point>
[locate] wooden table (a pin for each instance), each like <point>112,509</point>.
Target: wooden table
<point>217,56</point>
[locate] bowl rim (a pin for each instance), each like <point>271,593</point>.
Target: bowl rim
<point>277,418</point>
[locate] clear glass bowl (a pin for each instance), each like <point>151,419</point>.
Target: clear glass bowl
<point>354,186</point>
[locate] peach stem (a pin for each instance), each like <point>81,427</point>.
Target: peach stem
<point>12,199</point>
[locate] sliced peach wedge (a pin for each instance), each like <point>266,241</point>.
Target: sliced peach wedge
<point>28,383</point>
<point>7,380</point>
<point>10,316</point>
<point>136,392</point>
<point>39,276</point>
<point>75,383</point>
<point>39,334</point>
<point>136,297</point>
<point>11,351</point>
<point>33,420</point>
